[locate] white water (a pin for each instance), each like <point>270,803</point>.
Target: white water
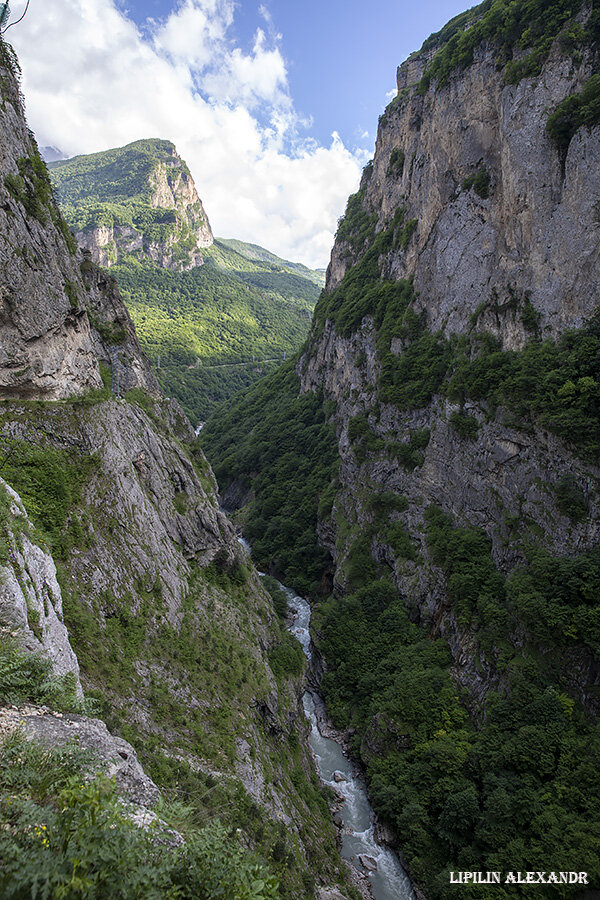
<point>389,881</point>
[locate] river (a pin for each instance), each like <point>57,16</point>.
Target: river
<point>389,881</point>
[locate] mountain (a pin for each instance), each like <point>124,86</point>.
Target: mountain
<point>152,739</point>
<point>253,251</point>
<point>427,467</point>
<point>135,200</point>
<point>51,154</point>
<point>214,316</point>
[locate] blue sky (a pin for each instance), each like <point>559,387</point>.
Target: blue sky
<point>273,104</point>
<point>341,55</point>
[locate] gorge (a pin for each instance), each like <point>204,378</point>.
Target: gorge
<point>424,470</point>
<point>439,502</point>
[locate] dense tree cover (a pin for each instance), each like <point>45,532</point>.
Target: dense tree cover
<point>279,444</point>
<point>213,327</point>
<point>513,789</point>
<point>120,177</point>
<point>522,32</point>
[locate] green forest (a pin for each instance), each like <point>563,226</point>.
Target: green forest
<point>210,330</point>
<point>510,785</point>
<point>218,327</point>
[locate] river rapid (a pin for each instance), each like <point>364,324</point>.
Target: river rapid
<point>388,881</point>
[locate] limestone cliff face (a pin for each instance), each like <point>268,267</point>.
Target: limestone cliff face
<point>148,584</point>
<point>535,236</point>
<point>46,348</point>
<point>30,596</point>
<point>168,224</point>
<point>58,317</point>
<point>476,262</point>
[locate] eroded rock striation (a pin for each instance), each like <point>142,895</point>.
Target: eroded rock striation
<point>153,212</point>
<point>494,230</point>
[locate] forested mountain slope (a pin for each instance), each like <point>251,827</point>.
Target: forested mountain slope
<point>213,316</point>
<point>455,355</point>
<point>120,577</point>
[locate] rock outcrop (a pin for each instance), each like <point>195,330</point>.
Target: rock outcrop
<point>166,224</point>
<point>30,596</point>
<point>55,327</point>
<point>149,585</point>
<point>531,234</point>
<point>46,348</point>
<point>482,256</point>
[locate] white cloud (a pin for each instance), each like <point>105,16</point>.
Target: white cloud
<point>92,80</point>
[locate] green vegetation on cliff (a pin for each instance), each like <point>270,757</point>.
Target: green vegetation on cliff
<point>211,329</point>
<point>207,682</point>
<point>521,31</point>
<point>67,835</point>
<point>278,444</point>
<point>550,384</point>
<point>114,187</point>
<point>514,790</point>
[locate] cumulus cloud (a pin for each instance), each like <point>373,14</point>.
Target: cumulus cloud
<point>93,80</point>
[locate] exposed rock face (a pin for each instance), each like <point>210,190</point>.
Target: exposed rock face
<point>535,236</point>
<point>114,340</point>
<point>168,615</point>
<point>46,349</point>
<point>179,228</point>
<point>475,262</point>
<point>54,327</point>
<point>30,596</point>
<point>56,730</point>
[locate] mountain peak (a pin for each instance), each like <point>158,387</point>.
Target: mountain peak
<point>139,200</point>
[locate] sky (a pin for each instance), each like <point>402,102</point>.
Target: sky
<point>272,103</point>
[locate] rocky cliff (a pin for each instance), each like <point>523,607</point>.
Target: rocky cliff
<point>441,439</point>
<point>136,201</point>
<point>56,327</point>
<point>492,229</point>
<point>122,575</point>
<point>525,232</point>
<point>455,344</point>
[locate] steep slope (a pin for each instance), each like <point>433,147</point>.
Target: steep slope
<point>175,637</point>
<point>456,348</point>
<point>136,200</point>
<point>218,327</point>
<point>253,251</point>
<point>213,321</point>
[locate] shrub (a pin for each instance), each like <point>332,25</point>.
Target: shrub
<point>287,657</point>
<point>396,164</point>
<point>573,112</point>
<point>479,181</point>
<point>570,499</point>
<point>465,426</point>
<point>27,677</point>
<point>67,836</point>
